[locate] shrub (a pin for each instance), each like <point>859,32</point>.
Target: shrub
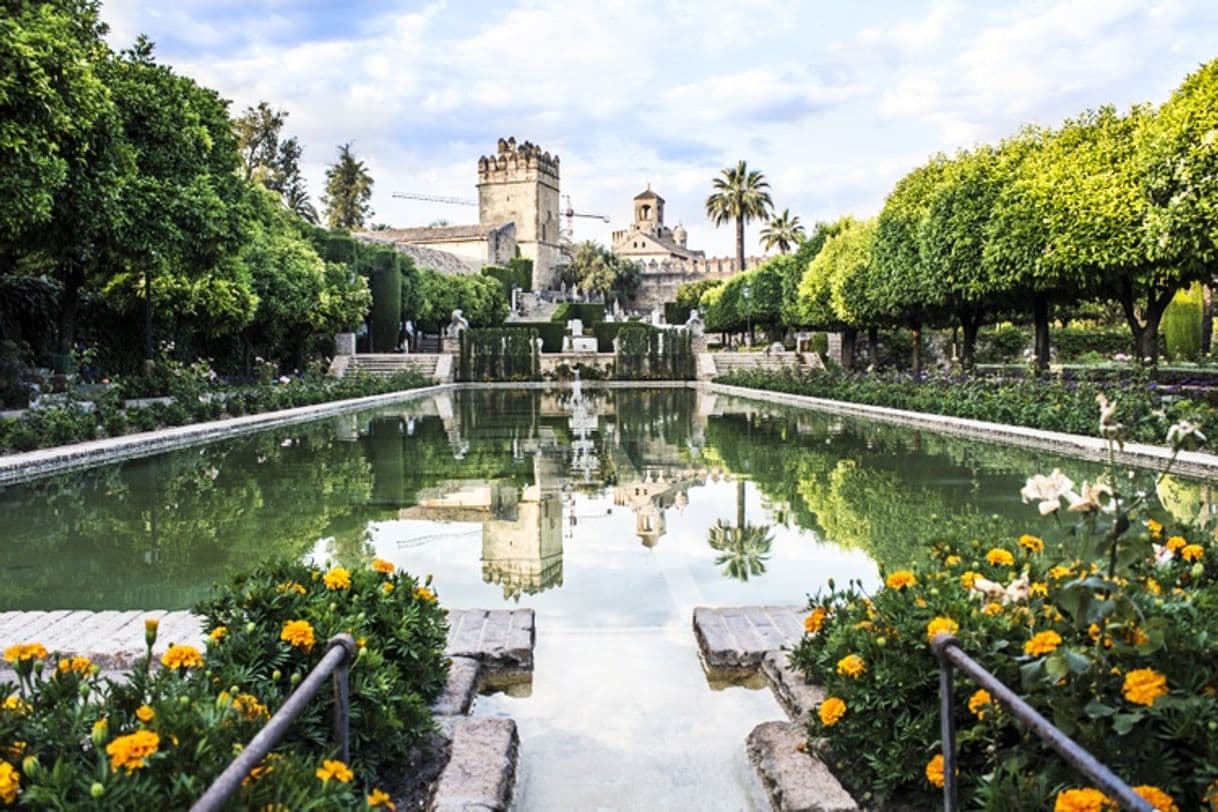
<point>1182,324</point>
<point>550,332</point>
<point>589,313</point>
<point>1108,631</point>
<point>386,282</point>
<point>1004,343</point>
<point>158,738</point>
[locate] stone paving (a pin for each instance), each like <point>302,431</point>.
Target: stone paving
<point>742,640</point>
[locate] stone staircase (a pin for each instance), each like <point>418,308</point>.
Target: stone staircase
<point>713,364</point>
<point>437,366</point>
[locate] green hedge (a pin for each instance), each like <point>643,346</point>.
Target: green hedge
<point>498,354</point>
<point>1182,325</point>
<point>675,313</point>
<point>606,331</point>
<point>340,248</point>
<point>386,283</point>
<point>587,312</point>
<point>550,332</point>
<point>510,277</point>
<point>647,353</point>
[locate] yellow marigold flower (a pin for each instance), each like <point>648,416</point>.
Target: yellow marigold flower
<point>387,587</point>
<point>1176,543</point>
<point>424,594</point>
<point>1143,686</point>
<point>299,633</point>
<point>145,714</point>
<point>337,578</point>
<point>81,665</point>
<point>815,620</point>
<point>130,751</point>
<point>852,665</point>
<point>992,608</point>
<point>100,731</point>
<point>181,656</point>
<point>830,711</point>
<point>1000,558</point>
<point>951,561</point>
<point>1160,800</point>
<point>16,704</point>
<point>1059,572</point>
<point>1156,529</point>
<point>1032,543</point>
<point>979,702</point>
<point>10,783</point>
<point>259,770</point>
<point>332,768</point>
<point>967,578</point>
<point>381,565</point>
<point>941,625</point>
<point>249,708</point>
<point>1136,637</point>
<point>292,586</point>
<point>1039,589</point>
<point>934,770</point>
<point>1193,552</point>
<point>217,634</point>
<point>1082,800</point>
<point>901,579</point>
<point>1042,643</point>
<point>25,651</point>
<point>1152,586</point>
<point>378,797</point>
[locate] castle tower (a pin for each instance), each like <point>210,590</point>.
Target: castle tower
<point>649,212</point>
<point>519,184</point>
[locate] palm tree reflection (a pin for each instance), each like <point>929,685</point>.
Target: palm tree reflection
<point>744,548</point>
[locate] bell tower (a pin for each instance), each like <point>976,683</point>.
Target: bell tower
<point>519,184</point>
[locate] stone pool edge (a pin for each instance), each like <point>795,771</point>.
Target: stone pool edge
<point>1093,449</point>
<point>63,459</point>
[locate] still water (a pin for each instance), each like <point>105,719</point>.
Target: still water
<point>612,513</point>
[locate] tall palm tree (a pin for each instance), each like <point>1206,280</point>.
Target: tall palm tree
<point>740,194</point>
<point>782,231</point>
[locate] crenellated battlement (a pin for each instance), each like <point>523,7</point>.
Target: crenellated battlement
<point>512,161</point>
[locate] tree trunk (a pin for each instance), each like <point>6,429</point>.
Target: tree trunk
<point>970,323</point>
<point>1207,319</point>
<point>739,501</point>
<point>873,345</point>
<point>1145,331</point>
<point>147,315</point>
<point>69,306</point>
<point>849,340</point>
<point>1040,319</point>
<point>740,243</point>
<point>915,332</point>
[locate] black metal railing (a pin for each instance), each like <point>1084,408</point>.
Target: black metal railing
<point>947,649</point>
<point>340,652</point>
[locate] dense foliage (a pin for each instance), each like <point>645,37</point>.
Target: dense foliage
<point>1052,404</point>
<point>498,354</point>
<point>72,739</point>
<point>643,352</point>
<point>1107,628</point>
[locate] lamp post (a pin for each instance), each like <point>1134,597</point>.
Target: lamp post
<point>746,292</point>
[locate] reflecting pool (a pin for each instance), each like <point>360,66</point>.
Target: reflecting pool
<point>612,513</point>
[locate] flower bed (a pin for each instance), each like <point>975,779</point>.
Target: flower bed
<point>70,739</point>
<point>1048,404</point>
<point>1110,631</point>
<point>108,417</point>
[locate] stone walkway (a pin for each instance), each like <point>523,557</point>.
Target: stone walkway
<point>740,640</point>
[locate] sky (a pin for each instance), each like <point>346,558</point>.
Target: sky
<point>832,101</point>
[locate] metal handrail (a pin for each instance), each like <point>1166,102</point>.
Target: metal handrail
<point>947,649</point>
<point>340,652</point>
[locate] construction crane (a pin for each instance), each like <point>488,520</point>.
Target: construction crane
<point>456,201</point>
<point>570,213</point>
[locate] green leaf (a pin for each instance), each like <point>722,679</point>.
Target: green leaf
<point>1096,709</point>
<point>1122,723</point>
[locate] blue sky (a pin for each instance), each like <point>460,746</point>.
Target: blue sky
<point>833,101</point>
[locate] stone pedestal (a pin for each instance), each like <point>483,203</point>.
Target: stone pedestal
<point>835,347</point>
<point>344,344</point>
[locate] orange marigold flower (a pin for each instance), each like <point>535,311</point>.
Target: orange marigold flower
<point>941,625</point>
<point>1039,589</point>
<point>14,703</point>
<point>815,620</point>
<point>332,768</point>
<point>130,751</point>
<point>1042,643</point>
<point>1153,587</point>
<point>1160,800</point>
<point>951,561</point>
<point>387,587</point>
<point>424,594</point>
<point>934,770</point>
<point>1156,529</point>
<point>852,665</point>
<point>1059,572</point>
<point>901,579</point>
<point>1192,552</point>
<point>182,656</point>
<point>378,797</point>
<point>1032,543</point>
<point>1176,543</point>
<point>145,714</point>
<point>299,633</point>
<point>10,783</point>
<point>992,608</point>
<point>217,634</point>
<point>381,565</point>
<point>337,578</point>
<point>25,651</point>
<point>979,702</point>
<point>292,586</point>
<point>1000,557</point>
<point>1082,800</point>
<point>967,578</point>
<point>249,708</point>
<point>830,711</point>
<point>81,665</point>
<point>1143,686</point>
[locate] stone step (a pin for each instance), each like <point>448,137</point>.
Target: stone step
<point>739,637</point>
<point>795,780</point>
<point>480,775</point>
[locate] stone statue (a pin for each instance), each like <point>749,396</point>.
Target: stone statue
<point>457,324</point>
<point>694,324</point>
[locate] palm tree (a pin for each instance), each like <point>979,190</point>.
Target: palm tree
<point>740,194</point>
<point>782,231</point>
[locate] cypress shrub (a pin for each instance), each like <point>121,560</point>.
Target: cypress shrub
<point>1182,324</point>
<point>386,283</point>
<point>340,248</point>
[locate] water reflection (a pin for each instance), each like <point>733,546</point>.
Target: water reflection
<point>525,474</point>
